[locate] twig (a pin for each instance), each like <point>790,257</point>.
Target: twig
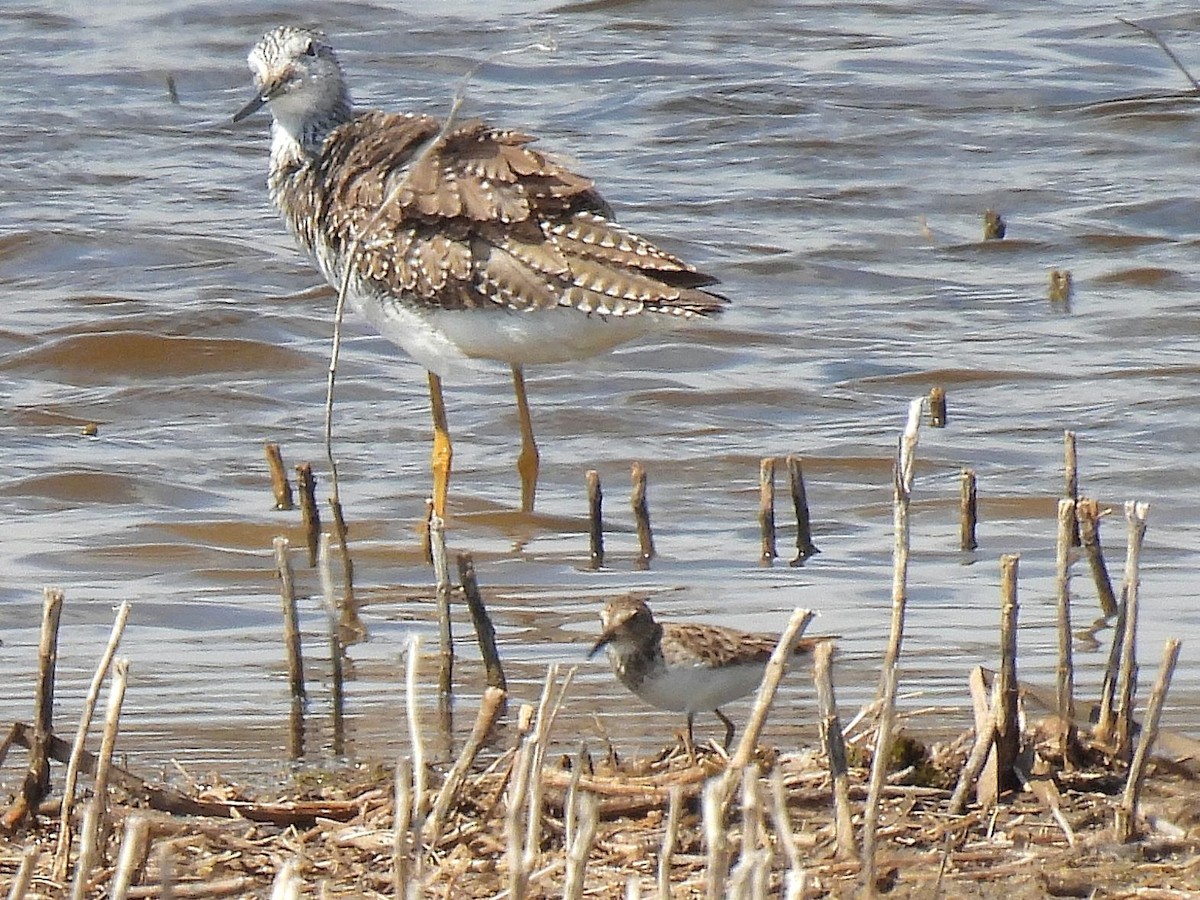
<point>1088,513</point>
<point>402,849</point>
<point>903,480</point>
<point>595,520</point>
<point>62,853</point>
<point>1127,811</point>
<point>1135,516</point>
<point>804,542</point>
<point>291,618</point>
<point>309,514</point>
<point>489,711</point>
<point>766,509</point>
<point>641,516</point>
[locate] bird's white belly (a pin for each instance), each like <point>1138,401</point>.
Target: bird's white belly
<point>449,341</point>
<point>693,689</point>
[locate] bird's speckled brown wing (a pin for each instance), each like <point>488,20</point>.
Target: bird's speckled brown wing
<point>695,644</point>
<point>477,218</point>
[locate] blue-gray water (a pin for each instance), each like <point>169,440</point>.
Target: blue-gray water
<point>830,162</point>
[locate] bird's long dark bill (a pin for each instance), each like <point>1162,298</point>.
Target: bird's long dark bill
<point>601,644</point>
<point>250,108</point>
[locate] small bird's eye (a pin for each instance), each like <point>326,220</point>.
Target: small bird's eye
<point>311,49</point>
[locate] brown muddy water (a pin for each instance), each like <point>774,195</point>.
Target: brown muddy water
<point>830,162</point>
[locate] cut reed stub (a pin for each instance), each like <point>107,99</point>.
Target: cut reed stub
<point>1061,286</point>
<point>994,227</point>
<point>968,510</point>
<point>1087,512</point>
<point>804,542</point>
<point>309,514</point>
<point>766,510</point>
<point>280,486</point>
<point>937,407</point>
<point>595,520</point>
<point>641,515</point>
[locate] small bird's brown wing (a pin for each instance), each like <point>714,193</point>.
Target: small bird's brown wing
<point>713,645</point>
<point>477,218</point>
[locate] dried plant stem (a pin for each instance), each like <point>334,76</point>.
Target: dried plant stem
<point>1066,668</point>
<point>337,672</point>
<point>489,711</point>
<point>412,707</point>
<point>595,519</point>
<point>804,542</point>
<point>587,820</point>
<point>88,849</point>
<point>985,736</point>
<point>670,841</point>
<point>794,880</point>
<point>715,839</point>
<point>1071,479</point>
<point>1087,512</point>
<point>968,511</point>
<point>1165,49</point>
<point>766,510</point>
<point>1105,727</point>
<point>108,741</point>
<point>937,407</point>
<point>62,853</point>
<point>24,876</point>
<point>1008,729</point>
<point>835,750</point>
<point>287,882</point>
<point>402,849</point>
<point>485,632</point>
<point>280,486</point>
<point>641,517</point>
<point>902,485</point>
<point>134,848</point>
<point>1127,811</point>
<point>291,618</point>
<point>1135,516</point>
<point>441,570</point>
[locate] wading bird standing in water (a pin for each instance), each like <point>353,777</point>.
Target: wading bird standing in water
<point>463,243</point>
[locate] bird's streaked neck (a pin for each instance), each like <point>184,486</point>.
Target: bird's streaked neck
<point>297,132</point>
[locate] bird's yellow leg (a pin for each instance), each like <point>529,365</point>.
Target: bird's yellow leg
<point>527,460</point>
<point>443,453</point>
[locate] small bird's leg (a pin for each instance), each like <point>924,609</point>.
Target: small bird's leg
<point>689,743</point>
<point>443,453</point>
<point>527,461</point>
<point>728,729</point>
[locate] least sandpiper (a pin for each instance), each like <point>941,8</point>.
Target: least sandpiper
<point>464,243</point>
<point>682,667</point>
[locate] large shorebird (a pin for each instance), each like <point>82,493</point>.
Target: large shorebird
<point>464,243</point>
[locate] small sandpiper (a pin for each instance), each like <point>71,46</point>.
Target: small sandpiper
<point>464,243</point>
<point>682,667</point>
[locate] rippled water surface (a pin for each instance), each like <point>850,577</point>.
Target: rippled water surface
<point>830,162</point>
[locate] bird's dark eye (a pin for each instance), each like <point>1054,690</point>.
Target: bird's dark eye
<point>311,49</point>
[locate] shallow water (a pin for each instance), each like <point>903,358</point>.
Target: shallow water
<point>830,162</point>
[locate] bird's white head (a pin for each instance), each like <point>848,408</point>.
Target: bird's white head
<point>297,74</point>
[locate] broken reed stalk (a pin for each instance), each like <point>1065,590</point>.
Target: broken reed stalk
<point>587,820</point>
<point>540,741</point>
<point>794,879</point>
<point>968,511</point>
<point>1008,728</point>
<point>441,571</point>
<point>490,708</point>
<point>337,672</point>
<point>835,750</point>
<point>804,542</point>
<point>36,783</point>
<point>348,606</point>
<point>1066,668</point>
<point>984,709</point>
<point>62,852</point>
<point>108,740</point>
<point>1126,818</point>
<point>641,517</point>
<point>1135,516</point>
<point>937,407</point>
<point>402,849</point>
<point>766,510</point>
<point>135,846</point>
<point>88,851</point>
<point>485,633</point>
<point>1105,727</point>
<point>715,839</point>
<point>1071,479</point>
<point>310,516</point>
<point>670,840</point>
<point>280,486</point>
<point>985,736</point>
<point>902,488</point>
<point>24,876</point>
<point>1087,512</point>
<point>746,877</point>
<point>291,618</point>
<point>412,708</point>
<point>595,520</point>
